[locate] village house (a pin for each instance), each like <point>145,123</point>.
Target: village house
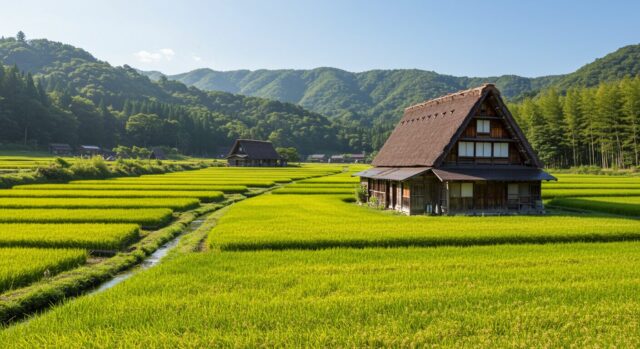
<point>348,158</point>
<point>89,150</point>
<point>462,153</point>
<point>60,149</point>
<point>317,158</point>
<point>253,153</point>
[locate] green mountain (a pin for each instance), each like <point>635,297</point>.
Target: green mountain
<point>52,92</point>
<point>613,67</point>
<point>379,96</point>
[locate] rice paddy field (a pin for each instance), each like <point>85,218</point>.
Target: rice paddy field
<point>111,215</point>
<point>304,266</point>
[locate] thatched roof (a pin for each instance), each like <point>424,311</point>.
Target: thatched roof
<point>428,130</point>
<point>254,149</point>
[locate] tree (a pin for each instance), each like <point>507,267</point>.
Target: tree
<point>551,110</point>
<point>289,154</point>
<point>20,36</point>
<point>590,116</point>
<point>538,130</point>
<point>144,128</point>
<point>630,90</point>
<point>608,125</point>
<point>574,121</point>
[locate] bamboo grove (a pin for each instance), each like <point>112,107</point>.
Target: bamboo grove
<point>593,126</point>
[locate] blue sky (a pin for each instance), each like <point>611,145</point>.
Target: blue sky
<point>472,38</point>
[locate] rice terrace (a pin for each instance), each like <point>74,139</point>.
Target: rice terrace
<point>149,201</point>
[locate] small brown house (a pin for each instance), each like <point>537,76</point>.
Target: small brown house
<point>462,153</point>
<point>253,153</point>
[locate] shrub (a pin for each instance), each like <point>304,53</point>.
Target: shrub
<point>361,194</point>
<point>55,173</point>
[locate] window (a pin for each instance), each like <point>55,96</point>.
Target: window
<point>501,150</point>
<point>454,190</point>
<point>513,190</point>
<point>461,190</point>
<point>483,149</point>
<point>466,190</point>
<point>465,149</point>
<point>483,126</point>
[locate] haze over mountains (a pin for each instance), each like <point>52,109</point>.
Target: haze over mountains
<point>378,96</point>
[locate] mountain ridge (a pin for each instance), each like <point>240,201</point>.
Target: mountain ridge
<point>379,95</point>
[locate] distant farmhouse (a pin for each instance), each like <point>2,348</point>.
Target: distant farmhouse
<point>89,150</point>
<point>253,153</point>
<point>460,153</point>
<point>60,149</point>
<point>317,158</point>
<point>338,158</point>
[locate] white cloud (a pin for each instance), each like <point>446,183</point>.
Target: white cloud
<point>197,58</point>
<point>163,54</point>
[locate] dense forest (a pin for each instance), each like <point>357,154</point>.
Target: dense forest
<point>52,92</point>
<point>595,126</point>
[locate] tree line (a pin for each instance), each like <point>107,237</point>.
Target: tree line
<point>592,126</point>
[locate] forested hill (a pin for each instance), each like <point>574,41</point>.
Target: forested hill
<point>378,96</point>
<point>52,92</point>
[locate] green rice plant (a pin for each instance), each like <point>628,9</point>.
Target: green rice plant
<point>554,193</point>
<point>314,190</point>
<point>627,206</point>
<point>301,185</point>
<point>326,221</point>
<point>148,217</point>
<point>230,189</point>
<point>204,196</point>
<point>178,183</point>
<point>87,236</point>
<point>554,185</point>
<point>21,266</point>
<point>178,204</point>
<point>555,295</point>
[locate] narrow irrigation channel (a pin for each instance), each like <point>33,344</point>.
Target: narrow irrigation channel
<point>153,260</point>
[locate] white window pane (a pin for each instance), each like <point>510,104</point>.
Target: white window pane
<point>483,126</point>
<point>466,190</point>
<point>465,149</point>
<point>483,149</point>
<point>501,150</point>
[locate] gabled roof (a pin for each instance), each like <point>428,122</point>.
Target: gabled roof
<point>64,146</point>
<point>392,173</point>
<point>428,130</point>
<point>254,149</point>
<point>89,147</point>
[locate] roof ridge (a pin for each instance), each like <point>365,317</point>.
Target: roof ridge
<point>450,96</point>
<point>252,140</point>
